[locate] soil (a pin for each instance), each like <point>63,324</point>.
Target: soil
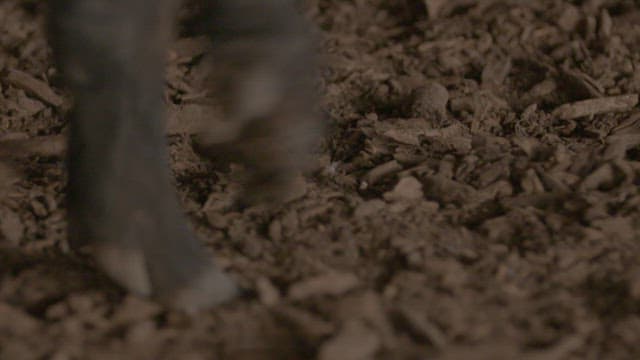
<point>476,196</point>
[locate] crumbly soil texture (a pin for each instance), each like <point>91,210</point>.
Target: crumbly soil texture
<point>476,195</point>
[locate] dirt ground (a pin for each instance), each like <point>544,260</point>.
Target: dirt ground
<point>476,196</point>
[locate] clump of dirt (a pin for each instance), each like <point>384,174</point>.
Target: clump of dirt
<point>477,196</point>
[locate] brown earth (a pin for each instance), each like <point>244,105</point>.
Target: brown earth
<point>476,196</point>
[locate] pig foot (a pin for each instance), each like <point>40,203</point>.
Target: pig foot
<point>130,269</point>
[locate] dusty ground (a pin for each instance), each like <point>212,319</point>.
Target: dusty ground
<point>468,204</point>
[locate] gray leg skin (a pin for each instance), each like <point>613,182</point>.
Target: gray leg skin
<point>121,201</point>
<point>264,61</point>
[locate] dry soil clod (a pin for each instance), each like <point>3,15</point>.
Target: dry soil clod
<point>34,86</point>
<point>591,107</point>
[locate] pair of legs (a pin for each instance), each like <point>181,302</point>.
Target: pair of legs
<point>121,201</point>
